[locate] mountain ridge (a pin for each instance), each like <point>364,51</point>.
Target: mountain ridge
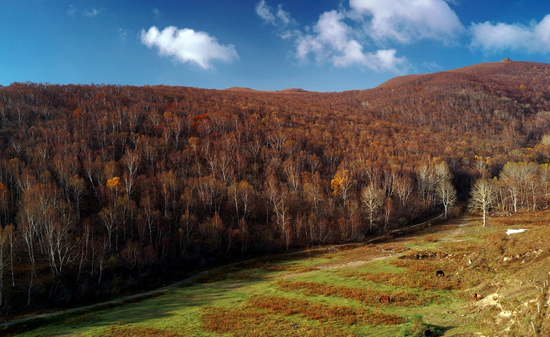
<point>493,70</point>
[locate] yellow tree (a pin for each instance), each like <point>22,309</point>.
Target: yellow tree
<point>341,185</point>
<point>108,213</point>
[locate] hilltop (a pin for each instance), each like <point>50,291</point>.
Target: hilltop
<point>289,90</point>
<point>505,73</point>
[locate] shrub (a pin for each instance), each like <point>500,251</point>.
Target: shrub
<point>429,238</point>
<point>417,328</point>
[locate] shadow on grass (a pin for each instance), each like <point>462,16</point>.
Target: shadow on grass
<point>160,312</point>
<point>416,327</point>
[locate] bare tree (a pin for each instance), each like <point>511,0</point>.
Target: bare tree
<point>446,193</point>
<point>372,198</point>
<point>3,259</point>
<point>482,197</point>
<point>403,187</point>
<point>77,187</point>
<point>511,181</point>
<point>427,183</point>
<point>278,196</point>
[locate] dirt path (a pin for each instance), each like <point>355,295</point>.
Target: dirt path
<point>117,301</point>
<point>459,230</point>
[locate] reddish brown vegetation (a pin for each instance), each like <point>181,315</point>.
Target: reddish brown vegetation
<point>124,331</point>
<point>250,322</point>
<point>118,188</point>
<point>323,312</point>
<point>411,279</point>
<point>364,295</point>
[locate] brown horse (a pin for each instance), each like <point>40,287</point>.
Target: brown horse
<point>474,296</point>
<point>439,273</point>
<point>384,298</point>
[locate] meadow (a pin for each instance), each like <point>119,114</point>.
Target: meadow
<point>336,291</point>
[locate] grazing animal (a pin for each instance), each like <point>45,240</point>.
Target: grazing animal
<point>475,297</point>
<point>440,273</point>
<point>384,298</point>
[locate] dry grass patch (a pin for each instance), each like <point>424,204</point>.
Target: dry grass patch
<point>363,295</point>
<point>270,267</point>
<point>421,267</point>
<point>250,322</point>
<point>323,312</point>
<point>412,280</point>
<point>121,330</point>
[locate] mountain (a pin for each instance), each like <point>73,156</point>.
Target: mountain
<point>239,89</point>
<point>507,73</point>
<point>114,188</point>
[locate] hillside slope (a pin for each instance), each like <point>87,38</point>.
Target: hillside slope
<point>114,189</point>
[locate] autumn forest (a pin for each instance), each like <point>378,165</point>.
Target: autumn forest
<point>107,190</point>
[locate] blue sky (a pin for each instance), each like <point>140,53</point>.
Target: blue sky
<point>316,45</point>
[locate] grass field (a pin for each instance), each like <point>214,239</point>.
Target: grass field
<point>337,292</point>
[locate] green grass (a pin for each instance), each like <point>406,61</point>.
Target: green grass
<point>230,296</point>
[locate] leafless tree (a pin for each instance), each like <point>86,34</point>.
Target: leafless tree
<point>482,197</point>
<point>372,198</point>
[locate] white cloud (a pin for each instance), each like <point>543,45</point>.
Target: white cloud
<point>187,45</point>
<point>93,13</point>
<point>409,20</point>
<point>123,35</point>
<point>432,65</point>
<point>490,37</point>
<point>330,35</point>
<point>332,40</point>
<point>363,34</point>
<point>283,16</point>
<point>279,18</point>
<point>265,12</point>
<point>71,11</point>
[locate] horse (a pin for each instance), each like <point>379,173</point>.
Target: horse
<point>474,296</point>
<point>384,298</point>
<point>439,273</point>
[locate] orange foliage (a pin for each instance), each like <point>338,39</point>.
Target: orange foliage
<point>123,331</point>
<point>113,182</point>
<point>249,322</point>
<point>364,295</point>
<point>323,312</point>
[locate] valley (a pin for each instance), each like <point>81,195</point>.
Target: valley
<point>336,292</point>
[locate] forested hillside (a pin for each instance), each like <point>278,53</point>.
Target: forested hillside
<point>107,189</point>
